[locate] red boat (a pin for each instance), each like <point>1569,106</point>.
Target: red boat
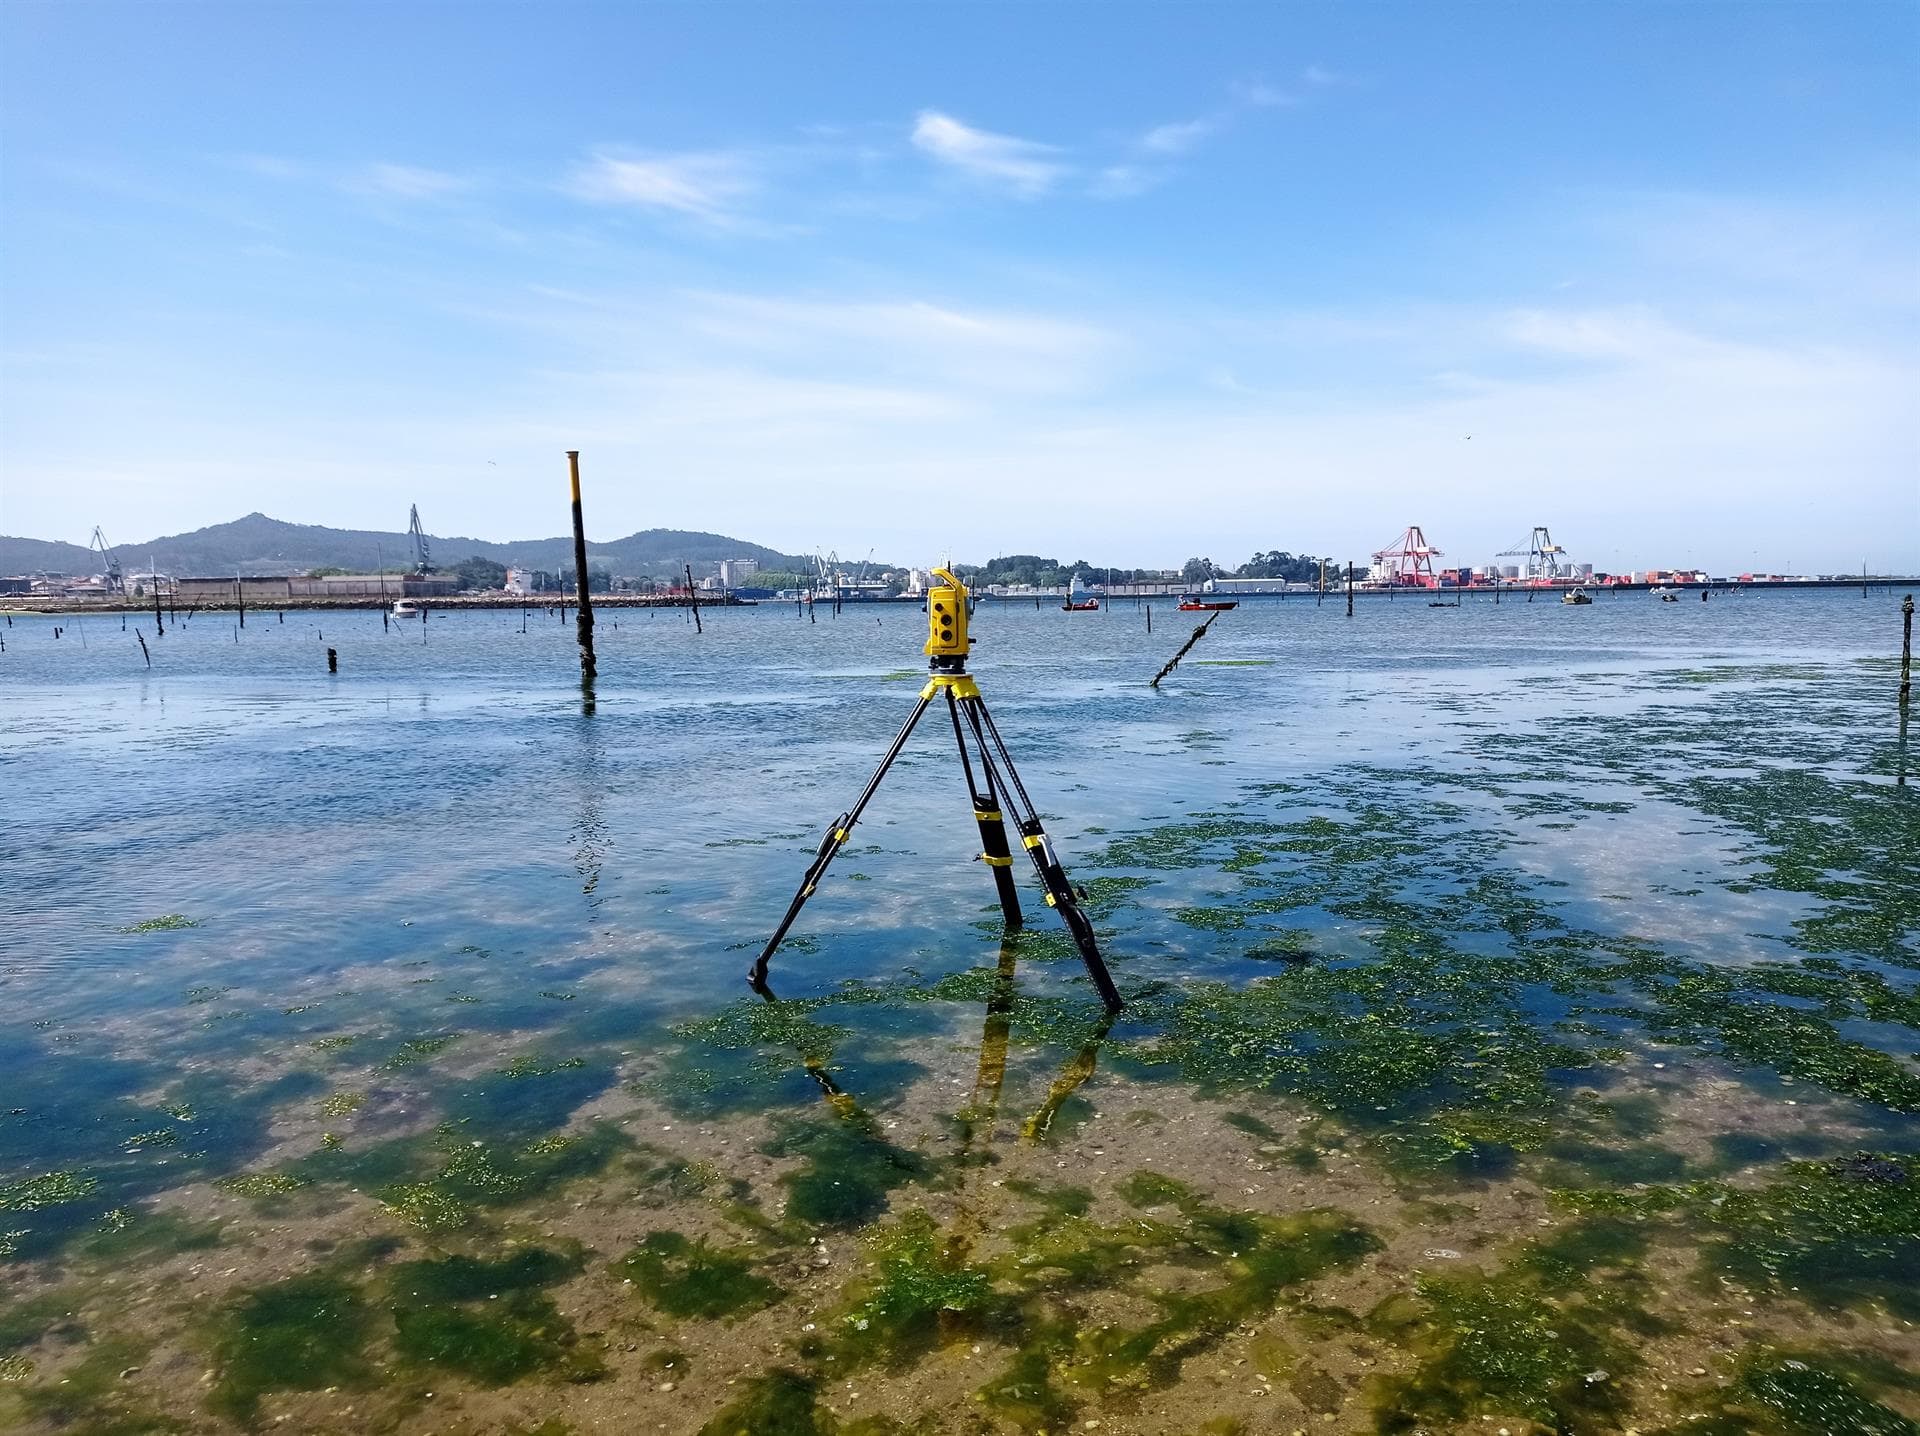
<point>1207,605</point>
<point>1088,606</point>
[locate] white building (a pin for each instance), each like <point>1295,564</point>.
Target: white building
<point>734,572</point>
<point>519,580</point>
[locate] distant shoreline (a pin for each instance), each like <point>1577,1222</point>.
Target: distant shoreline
<point>26,604</point>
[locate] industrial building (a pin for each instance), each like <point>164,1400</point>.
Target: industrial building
<point>274,588</point>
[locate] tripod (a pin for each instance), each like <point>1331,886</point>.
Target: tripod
<point>994,784</point>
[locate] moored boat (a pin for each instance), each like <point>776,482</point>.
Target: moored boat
<point>1578,595</point>
<point>1191,604</point>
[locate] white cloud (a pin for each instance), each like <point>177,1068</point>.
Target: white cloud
<point>1263,96</point>
<point>1124,181</point>
<point>1320,75</point>
<point>406,182</point>
<point>1178,137</point>
<point>1025,166</point>
<point>705,185</point>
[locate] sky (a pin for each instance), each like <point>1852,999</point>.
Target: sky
<point>1127,282</point>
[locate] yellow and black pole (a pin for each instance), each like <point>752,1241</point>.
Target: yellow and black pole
<point>588,667</point>
<point>996,790</point>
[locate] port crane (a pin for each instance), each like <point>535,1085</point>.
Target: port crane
<point>1408,561</point>
<point>1542,554</point>
<point>116,578</point>
<point>422,555</point>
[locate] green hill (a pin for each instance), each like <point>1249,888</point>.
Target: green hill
<point>258,544</point>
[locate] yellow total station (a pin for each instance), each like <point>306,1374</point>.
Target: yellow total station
<point>992,782</point>
<point>947,617</point>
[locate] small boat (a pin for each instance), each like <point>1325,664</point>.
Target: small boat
<point>406,608</point>
<point>1190,604</point>
<point>1086,605</point>
<point>1667,595</point>
<point>1578,595</point>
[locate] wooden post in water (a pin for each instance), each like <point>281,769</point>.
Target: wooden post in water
<point>693,602</point>
<point>143,647</point>
<point>240,598</point>
<point>1349,588</point>
<point>1906,648</point>
<point>333,661</point>
<point>589,669</point>
<point>158,627</point>
<point>1149,618</point>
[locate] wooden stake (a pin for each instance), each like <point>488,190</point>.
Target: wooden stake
<point>692,601</point>
<point>589,668</point>
<point>1349,588</point>
<point>1198,634</point>
<point>1906,648</point>
<point>333,661</point>
<point>143,647</point>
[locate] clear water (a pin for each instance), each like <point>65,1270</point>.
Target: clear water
<point>1444,928</point>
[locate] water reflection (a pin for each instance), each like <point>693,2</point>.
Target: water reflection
<point>590,838</point>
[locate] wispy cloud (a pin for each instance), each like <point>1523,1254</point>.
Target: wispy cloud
<point>705,186</point>
<point>1027,167</point>
<point>1262,96</point>
<point>1178,137</point>
<point>406,182</point>
<point>1124,181</point>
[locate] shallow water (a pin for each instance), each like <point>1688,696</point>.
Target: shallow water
<point>1522,1025</point>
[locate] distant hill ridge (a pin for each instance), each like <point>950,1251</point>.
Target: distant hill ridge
<point>257,544</point>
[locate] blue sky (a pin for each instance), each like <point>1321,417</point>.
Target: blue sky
<point>1125,281</point>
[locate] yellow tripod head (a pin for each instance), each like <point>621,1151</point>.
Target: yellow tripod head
<point>947,618</point>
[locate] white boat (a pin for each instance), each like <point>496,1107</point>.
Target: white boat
<point>406,608</point>
<point>1578,595</point>
<point>1666,595</point>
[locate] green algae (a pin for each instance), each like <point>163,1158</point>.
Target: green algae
<point>1487,1345</point>
<point>87,1398</point>
<point>781,1402</point>
<point>23,1323</point>
<point>689,1278</point>
<point>304,1334</point>
<point>166,922</point>
<point>1256,1257</point>
<point>342,1104</point>
<point>416,1050</point>
<point>1809,1395</point>
<point>150,1235</point>
<point>1800,1392</point>
<point>490,1320</point>
<point>1839,1232</point>
<point>526,1065</point>
<point>1435,1053</point>
<point>472,1173</point>
<point>849,1167</point>
<point>49,1189</point>
<point>917,1284</point>
<point>261,1185</point>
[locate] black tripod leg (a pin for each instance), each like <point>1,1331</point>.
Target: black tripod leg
<point>994,851</point>
<point>831,844</point>
<point>1060,894</point>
